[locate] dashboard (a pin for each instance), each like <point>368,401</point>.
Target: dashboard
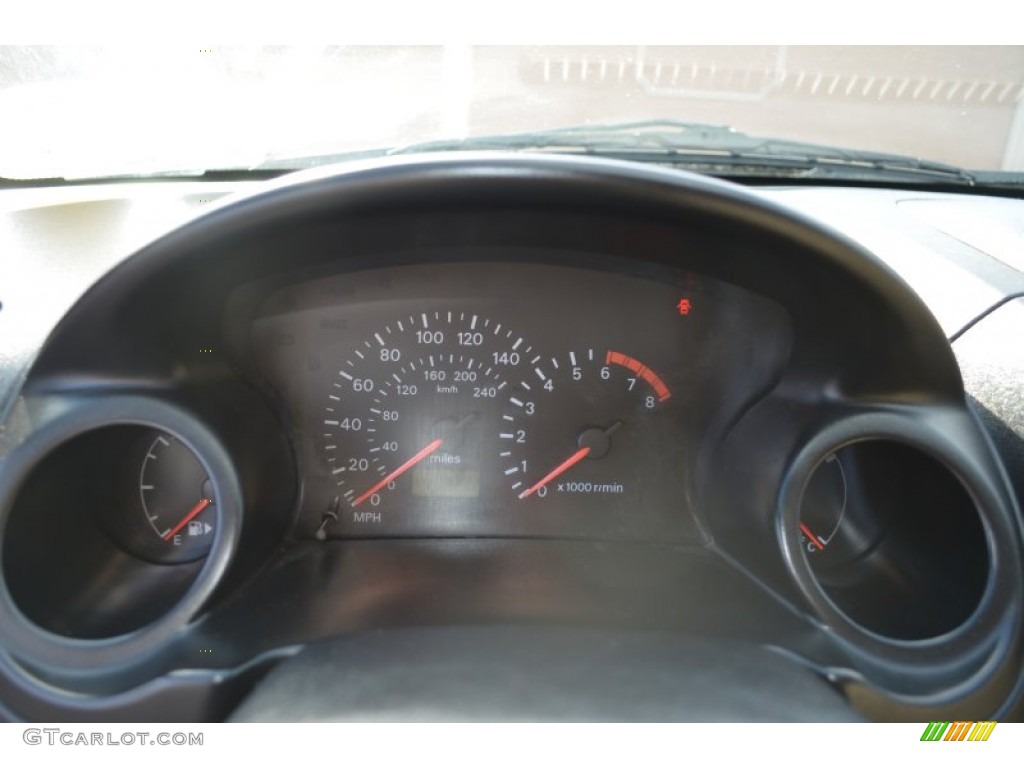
<point>509,437</point>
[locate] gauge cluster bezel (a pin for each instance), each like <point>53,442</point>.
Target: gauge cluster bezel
<point>943,436</point>
<point>864,350</point>
<point>60,420</point>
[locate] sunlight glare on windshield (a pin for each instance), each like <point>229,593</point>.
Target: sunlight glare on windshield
<point>95,111</point>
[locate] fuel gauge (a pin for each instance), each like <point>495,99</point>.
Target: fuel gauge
<point>176,499</point>
<point>164,507</point>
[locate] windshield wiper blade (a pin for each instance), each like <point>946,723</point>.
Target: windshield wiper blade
<point>645,133</point>
<point>716,150</point>
<point>705,144</point>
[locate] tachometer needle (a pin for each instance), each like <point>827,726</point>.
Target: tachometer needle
<point>419,456</point>
<point>810,535</point>
<point>572,461</point>
<point>203,504</point>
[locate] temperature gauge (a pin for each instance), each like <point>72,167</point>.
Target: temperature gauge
<point>824,506</point>
<point>839,521</point>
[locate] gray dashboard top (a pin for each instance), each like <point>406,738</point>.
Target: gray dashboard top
<point>960,270</point>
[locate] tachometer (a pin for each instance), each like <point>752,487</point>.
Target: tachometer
<point>584,428</point>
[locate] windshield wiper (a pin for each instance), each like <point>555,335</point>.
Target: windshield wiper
<point>704,146</point>
<point>716,150</point>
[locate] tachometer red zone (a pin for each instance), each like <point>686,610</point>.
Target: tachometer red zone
<point>641,371</point>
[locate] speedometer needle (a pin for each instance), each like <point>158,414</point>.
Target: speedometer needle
<point>203,504</point>
<point>419,456</point>
<point>572,461</point>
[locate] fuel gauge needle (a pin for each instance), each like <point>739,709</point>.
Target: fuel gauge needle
<point>566,465</point>
<point>419,456</point>
<point>203,504</point>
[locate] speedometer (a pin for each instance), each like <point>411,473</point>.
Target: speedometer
<point>410,409</point>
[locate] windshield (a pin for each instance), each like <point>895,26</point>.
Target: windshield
<point>77,112</point>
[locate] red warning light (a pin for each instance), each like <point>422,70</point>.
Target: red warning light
<point>684,307</point>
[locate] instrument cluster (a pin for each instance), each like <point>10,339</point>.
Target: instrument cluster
<point>510,399</point>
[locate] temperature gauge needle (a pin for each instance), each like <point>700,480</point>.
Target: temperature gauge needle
<point>203,504</point>
<point>810,535</point>
<point>419,456</point>
<point>572,461</point>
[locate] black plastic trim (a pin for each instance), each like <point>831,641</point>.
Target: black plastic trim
<point>86,661</point>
